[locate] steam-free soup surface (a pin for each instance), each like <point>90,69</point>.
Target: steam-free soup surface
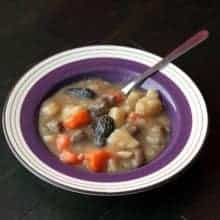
<point>92,125</point>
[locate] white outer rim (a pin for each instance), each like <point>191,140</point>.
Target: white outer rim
<point>11,118</point>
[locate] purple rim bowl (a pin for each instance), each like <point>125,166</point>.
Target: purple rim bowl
<point>114,70</point>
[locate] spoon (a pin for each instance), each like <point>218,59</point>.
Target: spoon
<point>187,45</point>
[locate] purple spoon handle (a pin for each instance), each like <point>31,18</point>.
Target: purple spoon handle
<point>177,52</point>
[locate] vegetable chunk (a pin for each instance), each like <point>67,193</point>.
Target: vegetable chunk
<point>122,139</point>
<point>97,160</point>
<point>77,119</point>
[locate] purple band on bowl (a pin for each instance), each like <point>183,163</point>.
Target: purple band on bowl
<point>115,70</point>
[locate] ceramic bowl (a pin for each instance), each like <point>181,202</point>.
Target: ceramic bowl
<point>181,97</point>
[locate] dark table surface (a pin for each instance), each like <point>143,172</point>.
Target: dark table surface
<point>33,30</point>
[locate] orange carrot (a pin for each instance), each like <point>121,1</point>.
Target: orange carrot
<point>97,160</point>
<point>62,142</point>
<point>77,119</point>
<point>69,157</point>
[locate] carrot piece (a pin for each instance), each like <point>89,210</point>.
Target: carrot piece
<point>133,116</point>
<point>69,157</point>
<point>62,142</point>
<point>97,160</point>
<point>77,119</point>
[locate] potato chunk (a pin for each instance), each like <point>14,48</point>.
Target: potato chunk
<point>49,139</point>
<point>164,121</point>
<point>112,165</point>
<point>53,126</point>
<point>124,154</point>
<point>151,152</point>
<point>139,158</point>
<point>152,94</point>
<point>50,108</point>
<point>118,115</point>
<point>156,135</point>
<point>122,139</point>
<point>133,98</point>
<point>148,107</point>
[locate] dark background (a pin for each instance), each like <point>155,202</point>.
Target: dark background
<point>32,30</point>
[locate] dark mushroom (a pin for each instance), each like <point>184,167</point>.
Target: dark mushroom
<point>81,92</point>
<point>103,127</point>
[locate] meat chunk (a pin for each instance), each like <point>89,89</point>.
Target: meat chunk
<point>102,105</point>
<point>99,108</point>
<point>131,128</point>
<point>78,135</point>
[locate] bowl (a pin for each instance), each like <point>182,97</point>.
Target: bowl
<point>181,97</point>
